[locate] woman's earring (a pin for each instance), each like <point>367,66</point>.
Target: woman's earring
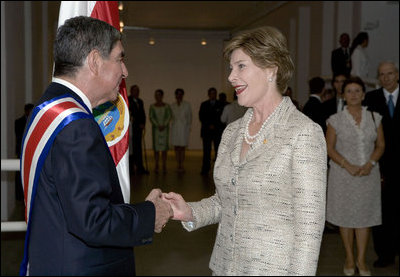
<point>270,79</point>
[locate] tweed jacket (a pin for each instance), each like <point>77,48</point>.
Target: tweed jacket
<point>270,206</point>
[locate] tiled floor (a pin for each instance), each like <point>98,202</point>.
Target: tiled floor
<point>176,252</point>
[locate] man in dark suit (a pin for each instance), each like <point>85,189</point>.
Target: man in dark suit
<point>340,57</point>
<point>385,101</point>
<point>211,127</point>
<point>336,103</point>
<point>19,127</point>
<point>138,119</point>
<point>313,107</point>
<point>78,223</point>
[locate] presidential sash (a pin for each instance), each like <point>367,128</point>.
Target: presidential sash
<point>47,120</point>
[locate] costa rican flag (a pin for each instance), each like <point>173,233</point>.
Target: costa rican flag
<point>112,117</point>
<point>47,120</point>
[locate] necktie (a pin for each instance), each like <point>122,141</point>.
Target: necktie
<point>391,106</point>
<point>340,105</point>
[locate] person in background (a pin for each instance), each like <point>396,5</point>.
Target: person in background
<point>232,111</point>
<point>385,101</point>
<point>19,128</point>
<point>138,121</point>
<point>270,172</point>
<point>180,127</point>
<point>313,107</point>
<point>289,93</point>
<point>359,57</point>
<point>222,98</point>
<point>336,103</point>
<point>328,95</point>
<point>340,57</point>
<point>160,115</point>
<point>355,144</point>
<point>211,127</point>
<point>78,223</point>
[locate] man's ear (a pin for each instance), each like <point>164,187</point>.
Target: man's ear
<point>94,61</point>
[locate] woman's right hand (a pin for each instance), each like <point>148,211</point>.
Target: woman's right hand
<point>182,210</point>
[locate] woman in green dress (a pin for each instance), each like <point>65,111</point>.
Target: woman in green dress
<point>160,116</point>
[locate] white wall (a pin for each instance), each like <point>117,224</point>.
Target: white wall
<point>177,60</point>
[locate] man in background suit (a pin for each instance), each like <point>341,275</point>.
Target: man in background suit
<point>340,57</point>
<point>211,127</point>
<point>138,119</point>
<point>79,223</point>
<point>313,107</point>
<point>336,103</point>
<point>19,127</point>
<point>386,101</point>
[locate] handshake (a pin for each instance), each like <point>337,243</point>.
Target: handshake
<point>168,206</point>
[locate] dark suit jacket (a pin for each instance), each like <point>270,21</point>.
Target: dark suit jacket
<point>210,115</point>
<point>375,101</point>
<point>339,63</point>
<point>329,107</point>
<point>80,224</point>
<point>314,110</point>
<point>137,112</point>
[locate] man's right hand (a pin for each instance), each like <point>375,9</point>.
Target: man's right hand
<point>163,209</point>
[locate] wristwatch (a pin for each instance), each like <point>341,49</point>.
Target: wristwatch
<point>372,162</point>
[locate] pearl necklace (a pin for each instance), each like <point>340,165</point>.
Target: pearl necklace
<point>247,136</point>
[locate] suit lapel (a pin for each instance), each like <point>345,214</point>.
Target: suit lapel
<point>238,140</point>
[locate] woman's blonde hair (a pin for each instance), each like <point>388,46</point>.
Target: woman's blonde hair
<point>266,46</point>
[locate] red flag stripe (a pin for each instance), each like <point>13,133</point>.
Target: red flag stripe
<point>107,11</point>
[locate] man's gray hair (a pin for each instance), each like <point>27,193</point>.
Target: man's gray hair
<point>77,38</point>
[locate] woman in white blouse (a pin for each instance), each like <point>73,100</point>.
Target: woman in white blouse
<point>180,127</point>
<point>359,57</point>
<point>270,172</point>
<point>360,60</point>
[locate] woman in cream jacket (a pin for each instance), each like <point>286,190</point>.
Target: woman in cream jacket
<point>270,172</point>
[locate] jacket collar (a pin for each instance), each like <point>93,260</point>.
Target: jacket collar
<point>267,139</point>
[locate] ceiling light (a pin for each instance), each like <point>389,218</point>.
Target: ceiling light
<point>152,41</point>
<point>203,41</point>
<point>120,6</point>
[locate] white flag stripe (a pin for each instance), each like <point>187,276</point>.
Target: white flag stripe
<point>124,178</point>
<point>70,9</point>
